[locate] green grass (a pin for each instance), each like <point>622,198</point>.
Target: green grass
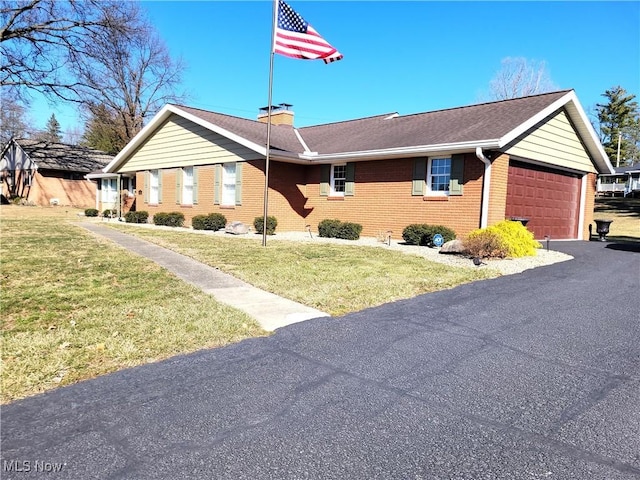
<point>74,306</point>
<point>336,279</point>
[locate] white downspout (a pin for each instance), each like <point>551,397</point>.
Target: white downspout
<point>484,214</point>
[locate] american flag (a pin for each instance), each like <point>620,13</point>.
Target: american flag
<point>296,38</point>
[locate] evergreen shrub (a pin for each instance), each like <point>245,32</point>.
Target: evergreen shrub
<point>136,217</point>
<point>91,212</point>
<point>349,231</point>
<point>328,228</point>
<point>272,223</point>
<point>212,221</point>
<point>171,219</point>
<point>333,228</point>
<point>422,234</point>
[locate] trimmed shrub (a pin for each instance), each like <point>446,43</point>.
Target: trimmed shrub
<point>136,217</point>
<point>272,223</point>
<point>349,231</point>
<point>422,234</point>
<point>91,212</point>
<point>328,228</point>
<point>333,228</point>
<point>504,239</point>
<point>212,221</point>
<point>172,219</point>
<point>108,212</point>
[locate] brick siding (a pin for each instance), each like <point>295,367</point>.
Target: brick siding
<point>382,199</point>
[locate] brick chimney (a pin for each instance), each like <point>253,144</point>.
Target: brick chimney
<point>280,114</point>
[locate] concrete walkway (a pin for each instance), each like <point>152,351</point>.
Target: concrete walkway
<point>269,310</point>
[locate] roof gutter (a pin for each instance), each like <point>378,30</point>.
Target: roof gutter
<point>486,181</point>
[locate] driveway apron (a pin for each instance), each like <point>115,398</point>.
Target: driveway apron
<point>535,375</point>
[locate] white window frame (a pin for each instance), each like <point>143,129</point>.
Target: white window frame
<point>228,196</point>
<point>154,187</point>
<point>187,186</point>
<point>109,190</point>
<point>429,179</point>
<point>333,178</point>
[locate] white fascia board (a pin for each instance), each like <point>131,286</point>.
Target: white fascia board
<point>578,117</point>
<point>401,152</point>
<point>588,133</point>
<point>163,115</point>
<point>93,176</point>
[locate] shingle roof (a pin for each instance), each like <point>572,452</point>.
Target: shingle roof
<point>61,156</point>
<point>283,137</point>
<point>486,125</point>
<point>455,125</point>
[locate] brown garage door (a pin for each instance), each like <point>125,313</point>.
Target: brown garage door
<point>549,198</point>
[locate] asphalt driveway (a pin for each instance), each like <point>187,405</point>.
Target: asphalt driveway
<point>535,375</point>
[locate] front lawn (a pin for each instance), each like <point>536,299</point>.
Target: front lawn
<point>75,306</point>
<point>336,279</point>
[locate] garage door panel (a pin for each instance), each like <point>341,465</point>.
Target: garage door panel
<point>549,198</point>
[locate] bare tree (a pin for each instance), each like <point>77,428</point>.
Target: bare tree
<point>37,38</point>
<point>519,77</point>
<point>13,118</point>
<point>93,52</point>
<point>129,73</point>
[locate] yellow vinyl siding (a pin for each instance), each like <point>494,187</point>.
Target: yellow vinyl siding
<point>555,143</point>
<point>180,143</point>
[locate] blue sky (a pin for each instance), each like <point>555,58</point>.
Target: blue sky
<point>398,56</point>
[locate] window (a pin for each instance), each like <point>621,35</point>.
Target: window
<point>154,190</point>
<point>229,184</point>
<point>338,179</point>
<point>187,186</point>
<point>27,178</point>
<point>109,190</point>
<point>438,176</point>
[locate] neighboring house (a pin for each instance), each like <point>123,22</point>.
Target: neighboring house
<point>624,182</point>
<point>536,157</point>
<point>45,173</point>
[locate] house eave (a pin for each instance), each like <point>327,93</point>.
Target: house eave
<point>577,115</point>
<point>391,153</point>
<point>160,118</point>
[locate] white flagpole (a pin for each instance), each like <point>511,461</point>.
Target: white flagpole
<point>268,146</point>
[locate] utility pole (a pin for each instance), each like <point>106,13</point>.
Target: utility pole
<point>618,159</point>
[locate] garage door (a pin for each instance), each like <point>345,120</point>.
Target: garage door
<point>549,198</point>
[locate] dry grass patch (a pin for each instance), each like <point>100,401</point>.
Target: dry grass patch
<point>625,213</point>
<point>75,306</point>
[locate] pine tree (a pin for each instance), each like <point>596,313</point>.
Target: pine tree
<point>53,131</point>
<point>619,120</point>
<point>103,131</point>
